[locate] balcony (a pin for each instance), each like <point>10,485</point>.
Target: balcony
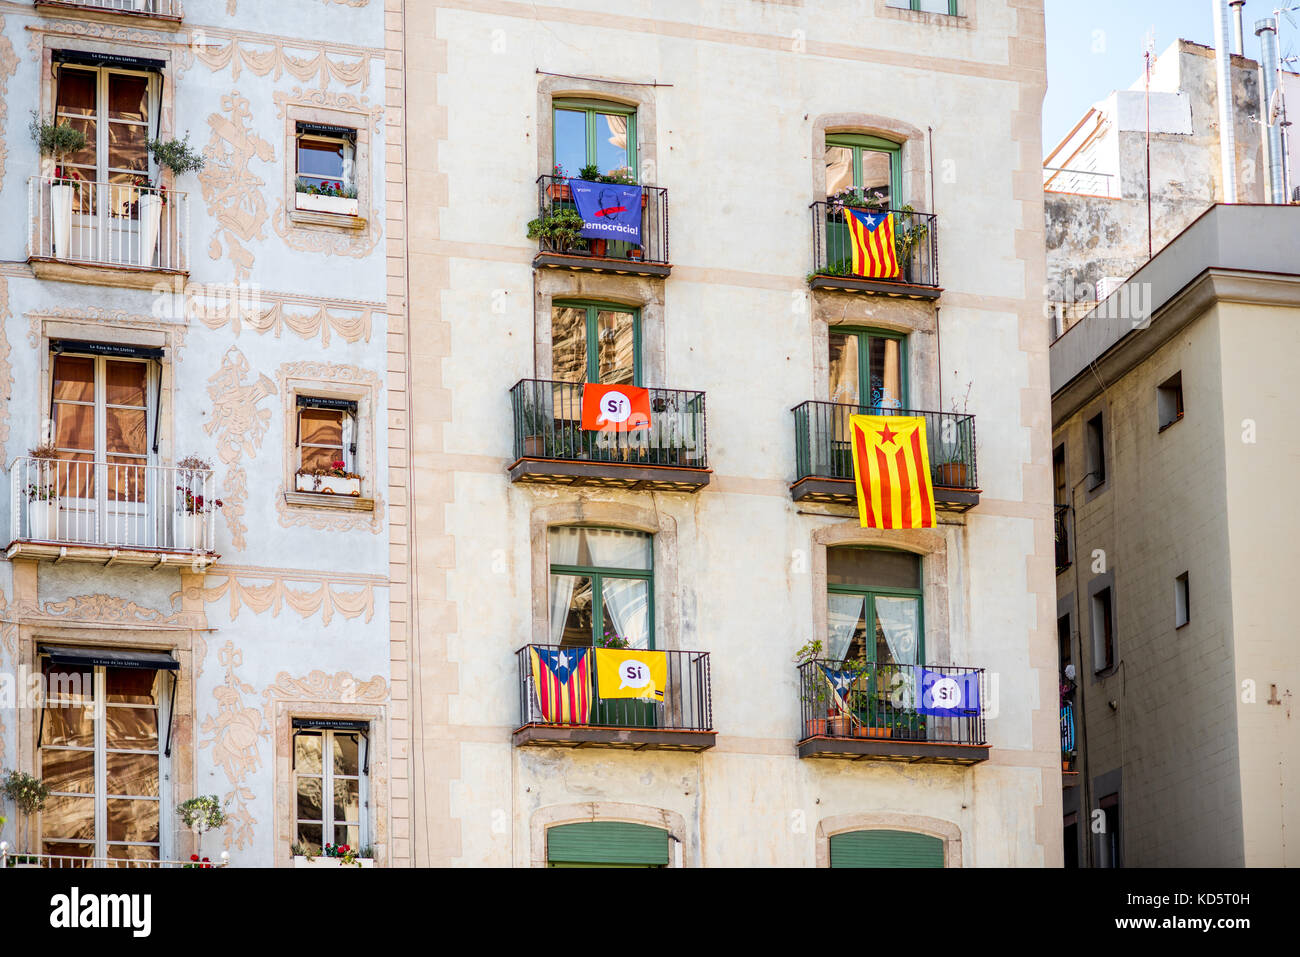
<point>155,14</point>
<point>11,858</point>
<point>682,721</point>
<point>825,462</point>
<point>605,256</point>
<point>916,247</point>
<point>1069,756</point>
<point>111,513</point>
<point>1061,524</point>
<point>551,447</point>
<point>114,234</point>
<point>861,711</point>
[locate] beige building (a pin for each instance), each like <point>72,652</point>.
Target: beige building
<point>727,536</point>
<point>1170,432</point>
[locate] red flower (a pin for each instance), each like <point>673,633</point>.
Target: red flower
<point>194,857</point>
<point>339,463</point>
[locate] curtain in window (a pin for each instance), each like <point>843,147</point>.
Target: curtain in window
<point>897,619</point>
<point>348,433</point>
<point>845,615</point>
<point>627,612</point>
<point>612,548</point>
<point>563,544</point>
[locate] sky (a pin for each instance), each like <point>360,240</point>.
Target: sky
<point>1095,46</point>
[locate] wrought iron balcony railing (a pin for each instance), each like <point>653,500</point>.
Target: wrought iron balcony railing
<point>11,858</point>
<point>548,425</point>
<point>154,8</point>
<point>554,194</point>
<point>882,708</point>
<point>112,505</point>
<point>107,224</point>
<point>915,247</point>
<point>823,442</point>
<point>1061,525</point>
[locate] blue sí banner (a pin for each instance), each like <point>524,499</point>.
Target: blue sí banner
<point>608,210</point>
<point>950,695</point>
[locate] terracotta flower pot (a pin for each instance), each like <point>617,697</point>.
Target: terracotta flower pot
<point>816,727</point>
<point>636,253</point>
<point>598,247</point>
<point>559,191</point>
<point>953,474</point>
<point>839,726</point>
<point>869,732</point>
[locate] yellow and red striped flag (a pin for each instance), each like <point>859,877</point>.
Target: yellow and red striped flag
<point>891,469</point>
<point>872,233</point>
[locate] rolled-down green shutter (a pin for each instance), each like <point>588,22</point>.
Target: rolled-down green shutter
<point>886,849</point>
<point>607,842</point>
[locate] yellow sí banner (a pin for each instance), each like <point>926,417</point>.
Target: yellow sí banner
<point>626,673</point>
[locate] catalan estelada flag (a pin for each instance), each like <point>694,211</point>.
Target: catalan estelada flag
<point>891,469</point>
<point>562,679</point>
<point>872,233</point>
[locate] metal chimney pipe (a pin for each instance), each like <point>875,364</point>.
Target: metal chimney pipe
<point>1275,161</point>
<point>1239,43</point>
<point>1227,131</point>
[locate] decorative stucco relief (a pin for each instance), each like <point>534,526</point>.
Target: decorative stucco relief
<point>270,56</point>
<point>234,734</point>
<point>340,688</point>
<point>352,322</point>
<point>104,609</point>
<point>94,30</point>
<point>324,99</point>
<point>110,317</point>
<point>8,66</point>
<point>272,592</point>
<point>240,426</point>
<point>6,369</point>
<point>231,189</point>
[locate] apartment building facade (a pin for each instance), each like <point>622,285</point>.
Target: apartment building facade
<point>1170,430</point>
<point>194,427</point>
<point>726,535</point>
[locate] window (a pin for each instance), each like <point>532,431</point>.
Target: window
<point>1108,842</point>
<point>1169,400</point>
<point>1096,450</point>
<point>1070,833</point>
<point>869,164</point>
<point>326,433</point>
<point>873,600</point>
<point>1063,646</point>
<point>606,844</point>
<point>1103,631</point>
<point>867,369</point>
<point>602,587</point>
<point>950,7</point>
<point>1182,601</point>
<point>886,849</point>
<point>100,732</point>
<point>114,109</point>
<point>103,409</point>
<point>591,342</point>
<point>330,772</point>
<point>1060,484</point>
<point>594,133</point>
<point>327,168</point>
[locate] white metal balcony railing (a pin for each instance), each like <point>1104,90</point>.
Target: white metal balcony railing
<point>107,224</point>
<point>113,505</point>
<point>162,8</point>
<point>61,861</point>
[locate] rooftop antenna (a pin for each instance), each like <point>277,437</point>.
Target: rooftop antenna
<point>1149,55</point>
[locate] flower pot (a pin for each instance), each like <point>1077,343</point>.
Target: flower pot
<point>331,863</point>
<point>839,726</point>
<point>340,205</point>
<point>187,531</point>
<point>636,253</point>
<point>328,485</point>
<point>866,731</point>
<point>534,446</point>
<point>598,247</point>
<point>61,216</point>
<point>816,727</point>
<point>559,191</point>
<point>150,211</point>
<point>953,474</point>
<point>43,519</point>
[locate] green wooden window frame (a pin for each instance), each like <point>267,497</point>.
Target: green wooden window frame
<point>884,848</point>
<point>594,308</point>
<point>606,844</point>
<point>864,142</point>
<point>592,109</point>
<point>870,592</point>
<point>953,7</point>
<point>863,334</point>
<point>597,574</point>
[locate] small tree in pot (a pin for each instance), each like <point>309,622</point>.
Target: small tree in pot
<point>28,795</point>
<point>557,228</point>
<point>200,815</point>
<point>59,141</point>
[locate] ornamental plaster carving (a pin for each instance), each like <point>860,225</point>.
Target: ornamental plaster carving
<point>352,323</point>
<point>231,189</point>
<point>241,426</point>
<point>235,731</point>
<point>6,369</point>
<point>340,687</point>
<point>104,609</point>
<point>355,243</point>
<point>8,66</point>
<point>110,317</point>
<point>94,30</point>
<point>270,56</point>
<point>324,99</point>
<point>272,591</point>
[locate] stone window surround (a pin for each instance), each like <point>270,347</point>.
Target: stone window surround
<point>912,158</point>
<point>639,95</point>
<point>365,394</point>
<point>915,319</point>
<point>930,543</point>
<point>616,515</point>
<point>946,831</point>
<point>964,17</point>
<point>1097,408</point>
<point>1097,584</point>
<point>358,120</point>
<point>547,817</point>
<point>282,714</point>
<point>647,295</point>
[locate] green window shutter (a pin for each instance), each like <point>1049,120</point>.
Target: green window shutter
<point>886,849</point>
<point>607,842</point>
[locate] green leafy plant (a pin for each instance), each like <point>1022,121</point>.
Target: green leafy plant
<point>558,227</point>
<point>56,140</point>
<point>623,175</point>
<point>28,795</point>
<point>177,155</point>
<point>203,813</point>
<point>590,172</point>
<point>326,188</point>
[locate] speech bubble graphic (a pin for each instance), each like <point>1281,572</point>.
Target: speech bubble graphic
<point>945,693</point>
<point>633,674</point>
<point>614,407</point>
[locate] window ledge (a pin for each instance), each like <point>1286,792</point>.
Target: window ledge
<point>351,503</point>
<point>931,17</point>
<point>1172,422</point>
<point>101,274</point>
<point>306,217</point>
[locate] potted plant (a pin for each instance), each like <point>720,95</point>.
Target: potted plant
<point>42,493</point>
<point>952,469</point>
<point>559,190</point>
<point>635,252</point>
<point>909,232</point>
<point>330,196</point>
<point>191,504</point>
<point>532,427</point>
<point>828,717</point>
<point>59,141</point>
<point>335,480</point>
<point>28,795</point>
<point>177,156</point>
<point>332,856</point>
<point>558,228</point>
<point>200,815</point>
